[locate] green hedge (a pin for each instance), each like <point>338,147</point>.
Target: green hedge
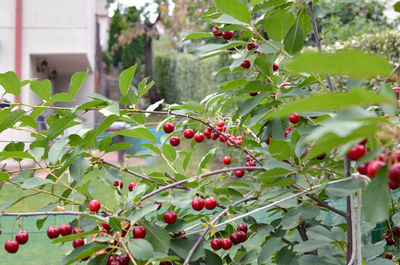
<point>181,77</point>
<point>385,43</point>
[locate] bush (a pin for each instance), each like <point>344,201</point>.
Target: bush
<point>181,77</point>
<point>383,43</point>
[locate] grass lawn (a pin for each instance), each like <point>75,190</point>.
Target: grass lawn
<point>39,249</point>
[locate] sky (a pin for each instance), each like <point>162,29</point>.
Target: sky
<point>138,3</point>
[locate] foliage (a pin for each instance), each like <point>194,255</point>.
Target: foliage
<point>340,20</point>
<point>180,77</point>
<point>297,143</point>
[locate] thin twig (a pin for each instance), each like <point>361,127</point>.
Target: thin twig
<point>216,172</point>
<point>41,213</point>
<point>318,40</point>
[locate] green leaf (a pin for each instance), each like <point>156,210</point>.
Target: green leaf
<point>112,109</point>
<point>186,160</point>
<point>305,22</point>
<point>269,249</point>
<point>57,149</point>
<point>144,87</point>
<point>10,82</point>
<point>74,236</point>
<point>343,189</point>
<point>61,97</point>
<point>280,149</point>
<point>226,19</point>
<point>117,147</point>
<point>11,119</point>
<point>264,63</point>
<point>76,82</point>
<point>4,177</point>
<point>182,248</point>
<point>331,101</point>
<point>15,154</point>
<point>311,259</point>
<point>279,24</point>
<point>215,47</point>
<point>380,261</point>
<point>106,123</point>
<point>169,152</point>
<point>115,223</point>
<point>152,148</point>
<point>78,168</point>
<point>353,63</point>
<point>142,212</point>
<point>377,210</point>
<point>82,252</point>
<point>396,6</point>
<point>42,88</point>
<point>235,9</point>
<point>35,182</point>
<point>125,79</point>
<point>138,133</point>
<point>37,153</point>
<point>249,104</point>
<point>199,35</point>
<point>60,125</point>
<point>141,249</point>
<point>206,159</point>
<point>157,236</point>
<point>294,39</point>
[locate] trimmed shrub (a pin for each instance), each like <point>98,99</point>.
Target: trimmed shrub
<point>181,77</point>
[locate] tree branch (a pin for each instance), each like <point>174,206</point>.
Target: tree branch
<point>318,40</point>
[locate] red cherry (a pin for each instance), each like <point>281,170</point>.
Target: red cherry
<point>226,243</point>
<point>210,203</point>
<point>294,117</point>
<point>245,64</point>
<point>397,155</point>
<point>216,244</point>
<point>197,204</point>
<point>116,183</point>
<point>222,138</point>
<point>180,234</point>
<point>227,35</point>
<point>126,225</point>
<point>94,205</point>
<point>214,135</point>
<point>389,240</point>
<point>106,227</point>
<point>170,217</point>
<point>78,242</point>
<point>210,128</point>
<point>252,45</point>
<point>220,124</point>
<point>393,185</point>
<point>139,232</point>
<point>11,246</point>
<point>248,157</point>
<point>65,229</point>
<point>168,127</point>
<point>373,167</point>
<point>394,173</point>
<point>362,169</point>
<point>396,231</point>
<point>356,152</point>
<point>113,260</point>
<point>275,67</point>
<point>53,232</point>
<point>236,238</point>
<point>239,173</point>
<point>121,185</point>
<point>188,133</point>
<point>288,131</point>
<point>397,91</point>
<point>242,227</point>
<point>227,160</point>
<point>132,185</point>
<point>253,94</point>
<point>124,260</point>
<point>389,255</point>
<point>207,133</point>
<point>22,237</point>
<point>77,230</point>
<point>199,137</point>
<point>216,33</point>
<point>243,236</point>
<point>267,140</point>
<point>174,140</point>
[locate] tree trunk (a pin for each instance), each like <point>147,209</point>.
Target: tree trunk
<point>154,94</point>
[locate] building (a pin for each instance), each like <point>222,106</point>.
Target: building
<point>52,39</point>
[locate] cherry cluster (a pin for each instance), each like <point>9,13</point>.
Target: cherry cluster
<point>120,184</point>
<point>12,246</point>
<point>198,203</point>
<point>293,118</point>
<point>370,168</point>
<point>236,238</point>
